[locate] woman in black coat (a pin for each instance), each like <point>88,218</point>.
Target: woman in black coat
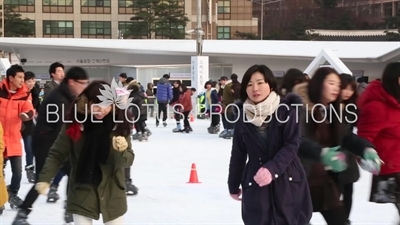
<point>324,142</point>
<point>274,185</point>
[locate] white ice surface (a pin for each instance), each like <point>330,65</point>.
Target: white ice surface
<point>161,170</point>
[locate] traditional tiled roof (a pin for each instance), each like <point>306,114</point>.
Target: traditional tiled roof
<point>353,38</point>
<point>354,35</point>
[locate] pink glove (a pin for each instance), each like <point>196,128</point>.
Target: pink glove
<point>263,177</point>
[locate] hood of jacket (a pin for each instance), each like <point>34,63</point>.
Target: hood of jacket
<point>226,83</point>
<point>163,81</point>
<point>132,84</point>
<point>302,91</point>
<point>375,92</point>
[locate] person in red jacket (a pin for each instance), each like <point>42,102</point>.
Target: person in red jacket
<point>379,123</point>
<point>15,107</point>
<point>185,100</point>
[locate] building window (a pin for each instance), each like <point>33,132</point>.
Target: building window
<point>21,5</point>
<point>125,3</point>
<point>96,6</point>
<point>224,32</point>
<point>32,24</point>
<point>140,31</point>
<point>19,2</point>
<point>58,2</point>
<point>169,31</point>
<point>224,10</point>
<point>388,9</point>
<point>58,6</point>
<point>96,3</point>
<point>96,29</point>
<point>126,6</point>
<point>57,28</point>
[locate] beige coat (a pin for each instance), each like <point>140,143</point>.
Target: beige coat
<point>3,188</point>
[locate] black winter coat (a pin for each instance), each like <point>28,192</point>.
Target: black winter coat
<point>51,116</point>
<point>286,200</point>
<point>138,99</point>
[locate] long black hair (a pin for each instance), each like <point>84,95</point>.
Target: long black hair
<point>268,78</point>
<point>89,96</point>
<point>315,89</point>
<point>347,80</point>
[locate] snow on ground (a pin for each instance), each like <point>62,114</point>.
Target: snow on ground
<point>161,170</point>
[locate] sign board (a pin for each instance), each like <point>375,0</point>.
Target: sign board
<point>4,65</point>
<point>74,62</point>
<point>199,71</point>
<point>358,73</point>
<point>278,73</point>
<point>180,75</point>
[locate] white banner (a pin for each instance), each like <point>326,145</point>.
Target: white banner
<point>199,71</point>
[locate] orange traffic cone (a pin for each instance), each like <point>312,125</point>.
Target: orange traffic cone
<point>191,118</point>
<point>193,179</point>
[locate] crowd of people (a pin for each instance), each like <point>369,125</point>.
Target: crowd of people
<point>277,152</point>
<point>284,171</point>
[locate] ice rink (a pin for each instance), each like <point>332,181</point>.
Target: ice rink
<point>161,170</point>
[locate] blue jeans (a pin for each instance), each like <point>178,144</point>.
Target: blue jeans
<point>58,178</point>
<point>28,150</point>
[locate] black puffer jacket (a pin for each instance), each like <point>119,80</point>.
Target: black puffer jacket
<point>138,99</point>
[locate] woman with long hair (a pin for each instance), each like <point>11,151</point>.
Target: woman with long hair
<point>268,136</point>
<point>351,175</point>
<point>379,122</point>
<point>324,139</point>
<point>98,145</point>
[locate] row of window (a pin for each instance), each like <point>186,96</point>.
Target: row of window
<point>51,27</point>
<point>96,3</point>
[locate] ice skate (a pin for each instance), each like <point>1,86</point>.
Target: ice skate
<point>145,137</point>
<point>131,189</point>
<point>148,132</point>
<point>2,209</point>
<point>52,196</point>
<point>227,135</point>
<point>213,130</point>
<point>14,201</point>
<point>164,124</point>
<point>223,133</point>
<point>186,130</point>
<point>177,129</point>
<point>68,218</point>
<point>13,198</point>
<point>21,218</point>
<point>30,173</point>
<point>140,136</point>
<point>135,136</point>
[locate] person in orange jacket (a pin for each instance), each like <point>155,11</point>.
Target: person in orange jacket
<point>3,188</point>
<point>15,107</point>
